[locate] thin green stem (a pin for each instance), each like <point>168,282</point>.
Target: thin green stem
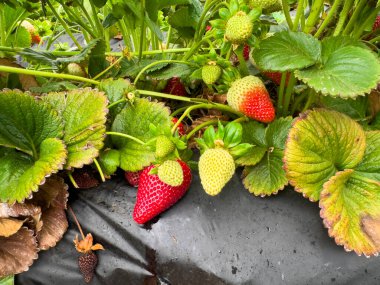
<point>64,25</point>
<point>178,111</point>
<point>354,17</point>
<point>125,136</point>
<point>280,100</point>
<point>97,21</point>
<point>329,17</point>
<point>2,26</point>
<point>72,180</point>
<point>201,126</point>
<point>168,96</point>
<point>288,94</point>
<point>300,11</point>
<point>343,17</point>
<point>375,40</point>
<point>46,74</point>
<point>124,32</point>
<point>72,13</point>
<point>359,29</point>
<point>99,170</point>
<point>142,32</point>
<point>297,102</point>
<point>313,18</point>
<point>108,68</point>
<point>242,64</point>
<point>206,9</point>
<point>195,47</point>
<point>85,12</point>
<point>116,103</point>
<point>286,9</point>
<point>310,100</point>
<point>159,62</point>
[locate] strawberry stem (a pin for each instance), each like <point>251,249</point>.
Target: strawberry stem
<point>280,100</point>
<point>300,11</point>
<point>354,17</point>
<point>116,103</point>
<point>99,170</point>
<point>242,64</point>
<point>329,17</point>
<point>46,74</point>
<point>125,136</point>
<point>313,18</point>
<point>343,17</point>
<point>72,180</point>
<point>286,9</point>
<point>288,94</point>
<point>76,221</point>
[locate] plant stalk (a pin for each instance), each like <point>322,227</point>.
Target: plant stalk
<point>329,17</point>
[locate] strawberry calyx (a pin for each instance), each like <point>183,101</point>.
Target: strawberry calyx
<point>86,245</point>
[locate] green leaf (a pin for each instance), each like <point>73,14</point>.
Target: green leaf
<point>25,122</point>
<point>277,132</point>
<point>134,121</point>
<point>254,133</point>
<point>267,177</point>
<point>97,60</point>
<point>370,165</point>
<point>109,160</point>
<point>20,38</point>
<point>209,136</point>
<point>345,71</point>
<point>252,156</point>
<point>287,51</point>
<point>99,3</point>
<point>350,208</point>
<point>240,149</point>
<point>84,112</point>
<point>321,143</point>
<point>10,280</point>
<point>355,108</point>
<point>20,175</point>
<point>232,134</point>
<point>173,70</point>
<point>54,87</point>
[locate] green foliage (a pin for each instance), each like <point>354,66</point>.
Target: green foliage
<point>7,280</point>
<point>135,120</point>
<point>263,173</point>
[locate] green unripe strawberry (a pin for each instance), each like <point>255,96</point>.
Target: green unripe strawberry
<point>75,69</point>
<point>239,28</point>
<point>171,173</point>
<point>268,6</point>
<point>164,146</point>
<point>216,167</point>
<point>211,73</point>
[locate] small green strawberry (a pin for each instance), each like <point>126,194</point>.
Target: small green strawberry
<point>211,72</point>
<point>75,69</point>
<point>268,6</point>
<point>249,96</point>
<point>239,28</point>
<point>216,167</point>
<point>171,173</point>
<point>164,146</point>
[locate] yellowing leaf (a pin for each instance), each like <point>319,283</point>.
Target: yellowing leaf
<point>9,226</point>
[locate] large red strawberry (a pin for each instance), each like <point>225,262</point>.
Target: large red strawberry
<point>133,177</point>
<point>376,25</point>
<point>175,87</point>
<point>155,196</point>
<point>180,128</point>
<point>249,96</point>
<point>275,76</point>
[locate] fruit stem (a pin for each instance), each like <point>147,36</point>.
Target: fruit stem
<point>72,180</point>
<point>115,103</point>
<point>354,17</point>
<point>359,30</point>
<point>313,18</point>
<point>286,10</point>
<point>125,136</point>
<point>280,100</point>
<point>343,16</point>
<point>242,64</point>
<point>142,29</point>
<point>194,48</point>
<point>329,17</point>
<point>169,96</point>
<point>310,99</point>
<point>46,74</point>
<point>198,31</point>
<point>64,25</point>
<point>178,111</point>
<point>159,62</point>
<point>201,126</point>
<point>99,170</point>
<point>76,221</point>
<point>300,11</point>
<point>108,68</point>
<point>288,94</point>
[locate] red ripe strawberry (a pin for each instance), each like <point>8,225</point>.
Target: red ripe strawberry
<point>36,39</point>
<point>276,77</point>
<point>249,96</point>
<point>175,87</point>
<point>180,128</point>
<point>133,177</point>
<point>155,196</point>
<point>246,50</point>
<point>376,25</point>
<point>208,28</point>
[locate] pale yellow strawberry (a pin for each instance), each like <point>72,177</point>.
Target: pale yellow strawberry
<point>216,167</point>
<point>171,173</point>
<point>239,28</point>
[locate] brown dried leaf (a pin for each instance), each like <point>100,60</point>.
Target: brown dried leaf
<point>17,252</point>
<point>27,81</point>
<point>18,210</point>
<point>9,226</point>
<point>49,191</point>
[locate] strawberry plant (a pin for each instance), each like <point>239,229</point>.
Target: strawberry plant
<point>292,97</point>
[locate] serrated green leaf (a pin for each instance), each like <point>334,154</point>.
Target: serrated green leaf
<point>350,208</point>
<point>7,280</point>
<point>321,143</point>
<point>233,133</point>
<point>131,68</point>
<point>355,108</point>
<point>173,70</point>
<point>267,177</point>
<point>97,60</point>
<point>286,51</point>
<point>240,149</point>
<point>252,156</point>
<point>254,133</point>
<point>370,165</point>
<point>25,122</point>
<point>277,132</point>
<point>135,121</point>
<point>54,87</point>
<point>20,175</point>
<point>347,71</point>
<point>84,112</point>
